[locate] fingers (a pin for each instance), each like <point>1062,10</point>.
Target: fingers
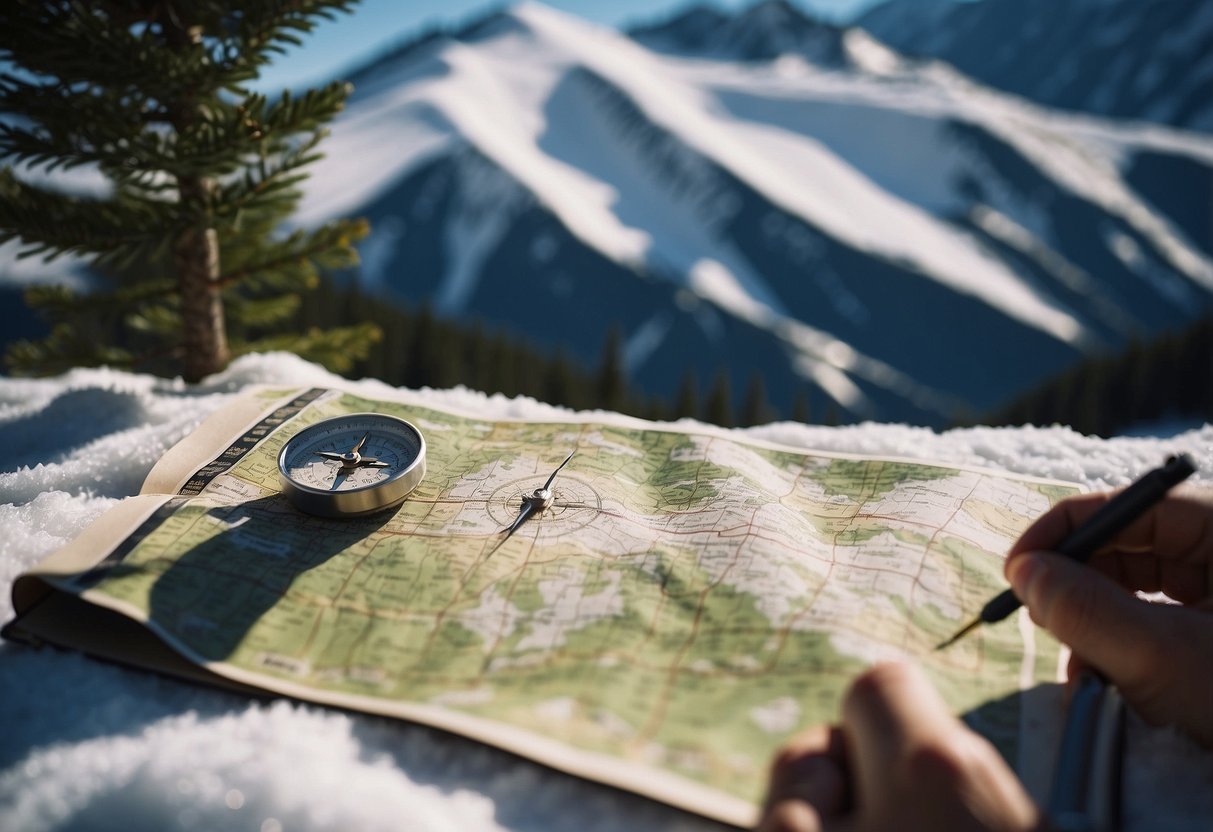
<point>915,766</point>
<point>808,782</point>
<point>790,816</point>
<point>1168,549</point>
<point>817,777</point>
<point>1157,654</point>
<point>888,710</point>
<point>1180,526</point>
<point>899,761</point>
<point>811,768</point>
<point>1094,616</point>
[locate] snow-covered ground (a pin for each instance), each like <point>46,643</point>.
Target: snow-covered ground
<point>92,746</point>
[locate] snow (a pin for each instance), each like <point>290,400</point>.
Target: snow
<point>869,54</point>
<point>388,138</point>
<point>20,272</point>
<point>814,185</point>
<point>644,341</point>
<point>639,155</point>
<point>490,200</point>
<point>496,95</point>
<point>376,252</point>
<point>93,746</point>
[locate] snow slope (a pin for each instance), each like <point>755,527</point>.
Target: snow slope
<point>89,746</point>
<point>757,193</point>
<point>488,94</point>
<point>854,225</point>
<point>1124,58</point>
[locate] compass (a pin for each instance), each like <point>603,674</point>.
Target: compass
<point>539,501</point>
<point>352,465</point>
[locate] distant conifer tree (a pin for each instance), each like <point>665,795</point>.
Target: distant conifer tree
<point>801,411</point>
<point>686,405</point>
<point>718,409</point>
<point>560,381</point>
<point>612,385</point>
<point>201,174</point>
<point>755,409</point>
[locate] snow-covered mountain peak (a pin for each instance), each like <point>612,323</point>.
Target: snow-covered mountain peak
<point>1122,58</point>
<point>883,232</point>
<point>765,31</point>
<point>805,210</point>
<point>869,55</point>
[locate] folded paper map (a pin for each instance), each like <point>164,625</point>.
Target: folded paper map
<point>689,599</point>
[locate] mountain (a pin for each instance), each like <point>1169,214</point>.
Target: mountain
<point>765,31</point>
<point>888,234</point>
<point>1151,61</point>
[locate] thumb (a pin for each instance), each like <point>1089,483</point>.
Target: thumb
<point>1111,629</point>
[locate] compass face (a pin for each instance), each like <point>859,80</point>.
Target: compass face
<point>352,465</point>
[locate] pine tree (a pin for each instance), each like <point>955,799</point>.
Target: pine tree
<point>718,409</point>
<point>686,405</point>
<point>801,410</point>
<point>755,409</point>
<point>611,388</point>
<point>560,381</point>
<point>202,173</point>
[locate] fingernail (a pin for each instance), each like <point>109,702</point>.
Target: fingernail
<point>1022,572</point>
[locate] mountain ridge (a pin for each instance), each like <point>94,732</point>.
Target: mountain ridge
<point>787,204</point>
<point>879,229</point>
<point>1146,61</point>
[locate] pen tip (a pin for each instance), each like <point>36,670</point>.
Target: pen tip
<point>964,631</point>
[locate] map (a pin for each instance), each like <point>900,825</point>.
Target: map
<point>687,602</point>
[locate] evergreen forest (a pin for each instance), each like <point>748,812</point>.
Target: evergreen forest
<point>419,349</point>
<point>1169,378</point>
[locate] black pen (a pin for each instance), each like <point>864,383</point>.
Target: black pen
<point>1080,544</point>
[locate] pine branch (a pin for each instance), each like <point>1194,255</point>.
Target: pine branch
<point>52,224</point>
<point>60,302</point>
<point>150,93</point>
<point>62,350</point>
<point>298,256</point>
<point>335,349</point>
<point>262,313</point>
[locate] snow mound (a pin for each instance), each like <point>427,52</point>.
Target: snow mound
<point>92,746</point>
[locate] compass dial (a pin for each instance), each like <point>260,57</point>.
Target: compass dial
<point>352,465</point>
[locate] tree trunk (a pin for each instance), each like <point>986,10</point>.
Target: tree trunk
<point>196,254</point>
<point>196,251</point>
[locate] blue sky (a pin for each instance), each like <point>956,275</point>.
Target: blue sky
<point>377,24</point>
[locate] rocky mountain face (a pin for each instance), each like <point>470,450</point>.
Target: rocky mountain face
<point>760,193</point>
<point>1151,61</point>
<point>728,193</point>
<point>762,32</point>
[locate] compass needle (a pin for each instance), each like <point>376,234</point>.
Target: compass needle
<point>528,508</point>
<point>524,514</point>
<point>548,484</point>
<point>359,483</point>
<point>536,502</point>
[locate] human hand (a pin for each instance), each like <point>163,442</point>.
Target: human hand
<point>900,760</point>
<point>1160,656</point>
